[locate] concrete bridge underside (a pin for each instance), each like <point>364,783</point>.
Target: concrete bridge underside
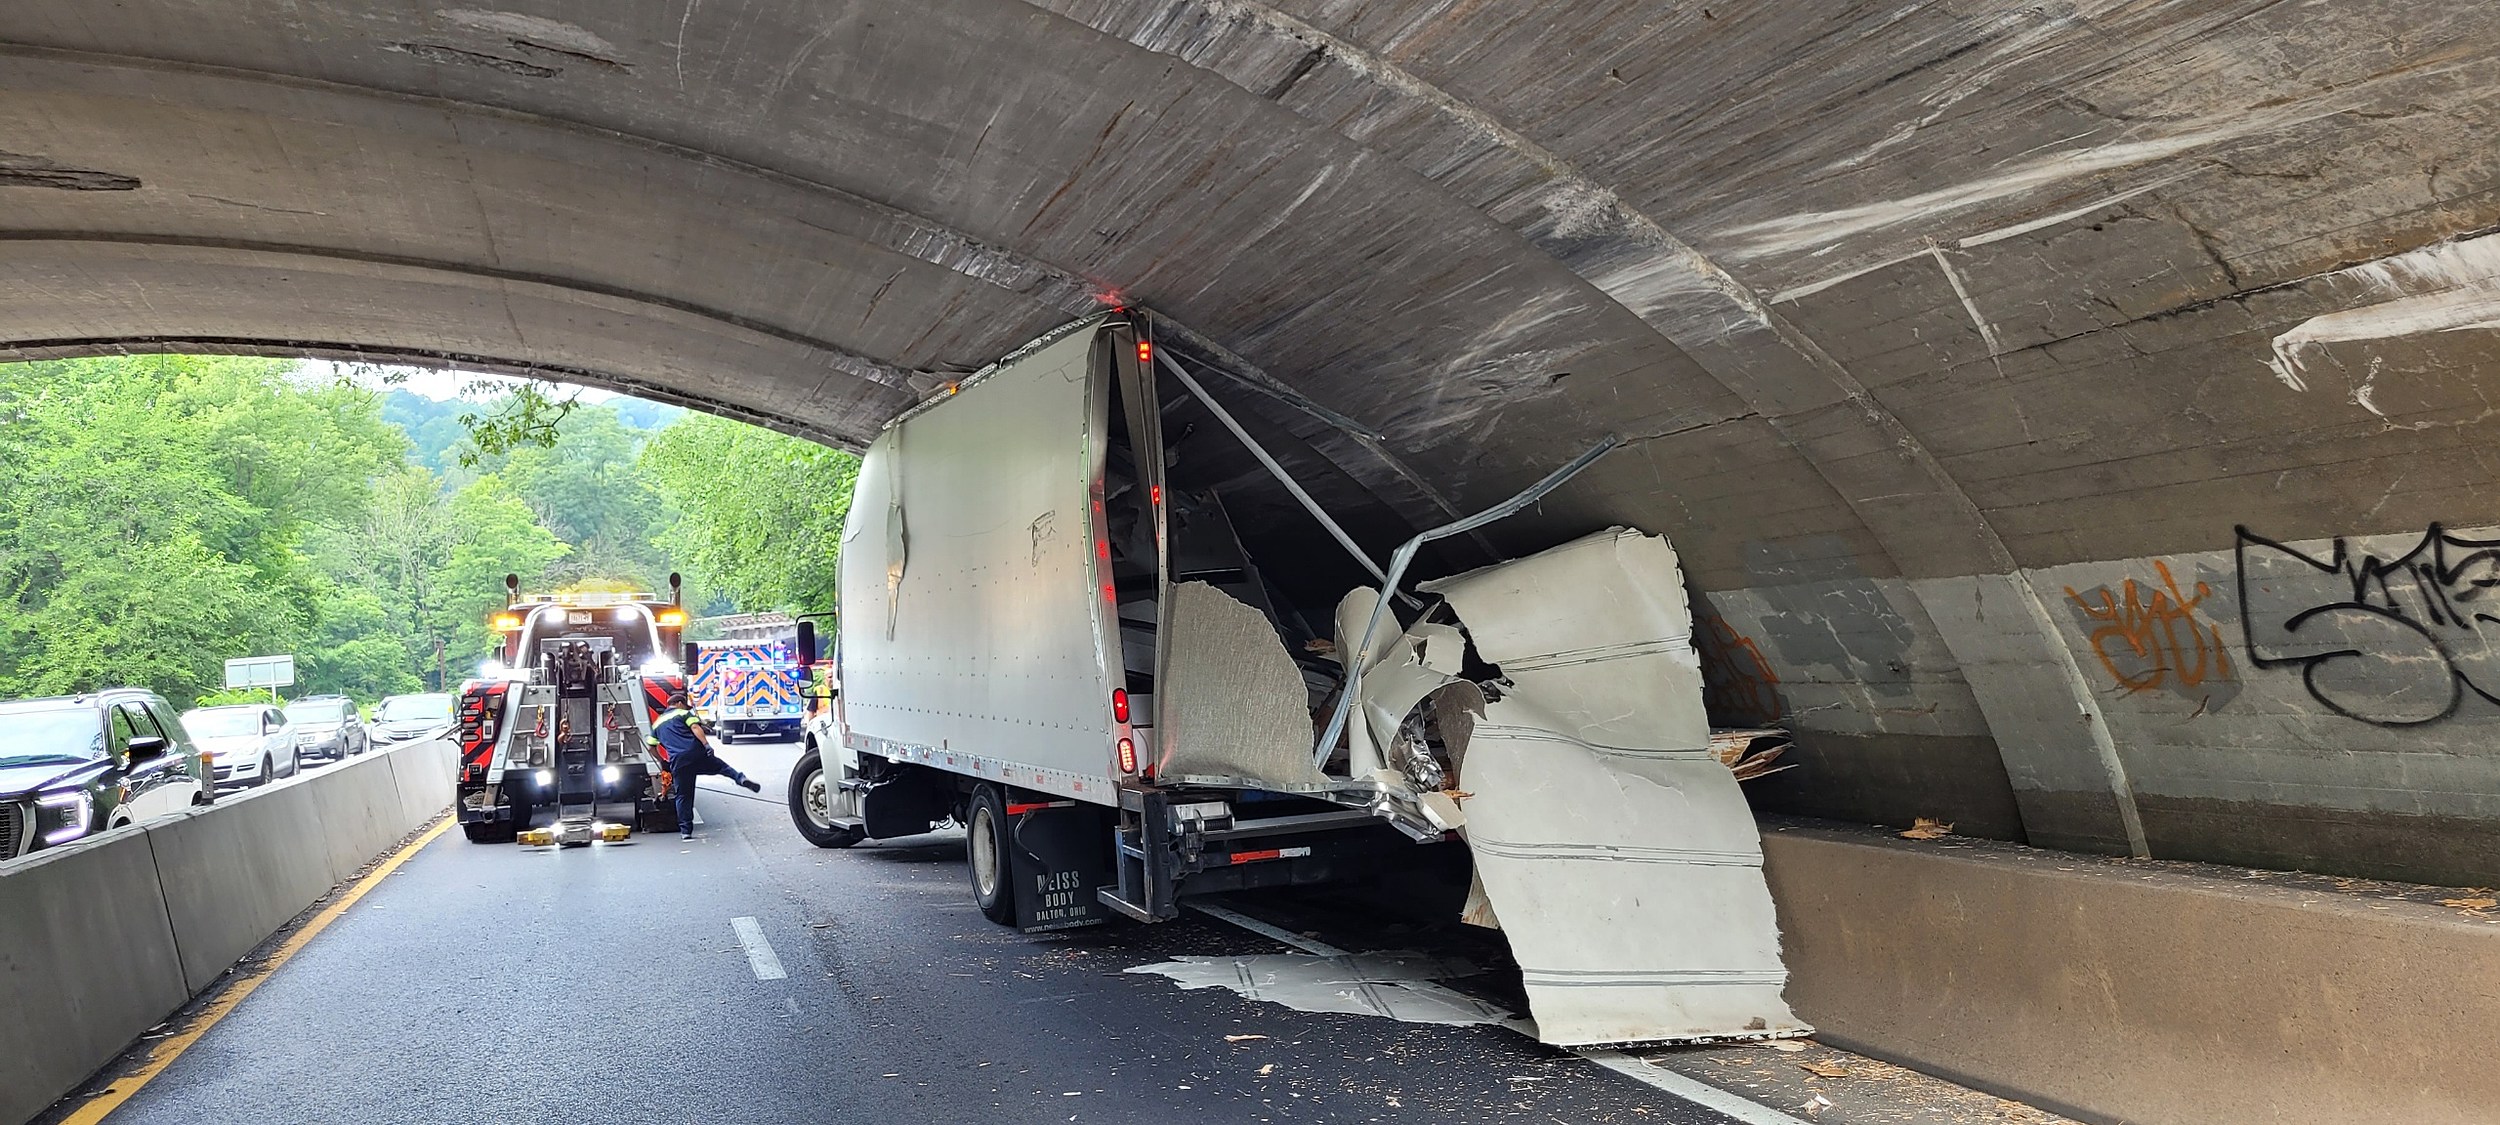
<point>2070,414</point>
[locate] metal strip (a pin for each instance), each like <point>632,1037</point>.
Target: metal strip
<point>1406,556</point>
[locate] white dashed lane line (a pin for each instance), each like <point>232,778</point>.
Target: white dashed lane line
<point>760,955</point>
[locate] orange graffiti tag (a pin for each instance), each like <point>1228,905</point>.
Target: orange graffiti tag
<point>2162,639</point>
<point>1738,685</point>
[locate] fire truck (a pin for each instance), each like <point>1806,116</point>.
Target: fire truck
<point>560,720</point>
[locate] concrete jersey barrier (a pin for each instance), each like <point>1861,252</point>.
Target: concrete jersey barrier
<point>103,939</point>
<point>2117,991</point>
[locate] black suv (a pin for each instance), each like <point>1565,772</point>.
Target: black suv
<point>72,766</point>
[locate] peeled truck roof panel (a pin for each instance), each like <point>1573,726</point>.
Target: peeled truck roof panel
<point>1615,849</point>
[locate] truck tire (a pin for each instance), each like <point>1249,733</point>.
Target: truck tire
<point>811,805</point>
<point>488,832</point>
<point>986,855</point>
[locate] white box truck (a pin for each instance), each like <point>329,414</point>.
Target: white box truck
<point>1052,632</point>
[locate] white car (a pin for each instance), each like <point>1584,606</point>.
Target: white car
<point>249,743</point>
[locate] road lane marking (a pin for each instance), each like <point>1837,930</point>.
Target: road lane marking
<point>1692,1090</point>
<point>97,1108</point>
<point>760,955</point>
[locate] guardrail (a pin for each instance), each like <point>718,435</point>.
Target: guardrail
<point>102,939</point>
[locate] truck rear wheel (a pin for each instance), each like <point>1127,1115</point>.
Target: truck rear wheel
<point>812,802</point>
<point>985,852</point>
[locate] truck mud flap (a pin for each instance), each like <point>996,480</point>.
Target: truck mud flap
<point>1057,855</point>
<point>1615,851</point>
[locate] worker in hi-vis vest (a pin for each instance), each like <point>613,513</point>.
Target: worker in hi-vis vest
<point>680,732</point>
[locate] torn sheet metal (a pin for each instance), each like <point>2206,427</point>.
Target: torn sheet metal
<point>1234,708</point>
<point>1623,861</point>
<point>1396,985</point>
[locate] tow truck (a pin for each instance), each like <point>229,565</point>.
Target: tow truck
<point>562,717</point>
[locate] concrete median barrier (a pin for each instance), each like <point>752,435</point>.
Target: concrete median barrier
<point>103,939</point>
<point>425,773</point>
<point>2136,993</point>
<point>235,872</point>
<point>87,963</point>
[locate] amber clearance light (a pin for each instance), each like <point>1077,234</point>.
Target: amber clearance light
<point>507,623</point>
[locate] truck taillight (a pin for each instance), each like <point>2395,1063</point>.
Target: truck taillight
<point>1128,756</point>
<point>1145,352</point>
<point>1119,704</point>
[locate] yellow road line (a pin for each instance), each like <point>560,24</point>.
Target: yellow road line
<point>102,1105</point>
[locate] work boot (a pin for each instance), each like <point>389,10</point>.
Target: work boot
<point>750,785</point>
<point>686,835</point>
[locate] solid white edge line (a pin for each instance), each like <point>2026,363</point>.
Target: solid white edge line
<point>760,955</point>
<point>1276,934</point>
<point>1690,1089</point>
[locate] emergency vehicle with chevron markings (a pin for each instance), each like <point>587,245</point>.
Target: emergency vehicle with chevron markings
<point>749,688</point>
<point>561,719</point>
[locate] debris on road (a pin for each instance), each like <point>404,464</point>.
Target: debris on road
<point>1927,828</point>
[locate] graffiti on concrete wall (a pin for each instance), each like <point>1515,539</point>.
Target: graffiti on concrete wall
<point>1829,614</point>
<point>2157,636</point>
<point>1738,687</point>
<point>2390,640</point>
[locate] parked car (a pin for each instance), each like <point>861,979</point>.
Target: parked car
<point>76,765</point>
<point>247,743</point>
<point>412,718</point>
<point>327,725</point>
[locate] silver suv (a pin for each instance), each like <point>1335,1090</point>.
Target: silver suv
<point>328,726</point>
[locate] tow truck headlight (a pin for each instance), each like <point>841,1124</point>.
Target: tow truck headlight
<point>546,778</point>
<point>611,774</point>
<point>63,817</point>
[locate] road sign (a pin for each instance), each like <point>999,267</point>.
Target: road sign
<point>260,671</point>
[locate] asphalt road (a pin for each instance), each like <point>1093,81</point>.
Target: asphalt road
<point>612,984</point>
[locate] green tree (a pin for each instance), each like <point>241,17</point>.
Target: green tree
<point>586,489</point>
<point>759,513</point>
<point>492,533</point>
<point>133,547</point>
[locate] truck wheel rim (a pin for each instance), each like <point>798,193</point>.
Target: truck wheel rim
<point>984,854</point>
<point>812,796</point>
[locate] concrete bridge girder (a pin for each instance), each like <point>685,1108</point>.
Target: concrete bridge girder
<point>1954,340</point>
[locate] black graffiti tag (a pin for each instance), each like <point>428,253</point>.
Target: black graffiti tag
<point>2389,641</point>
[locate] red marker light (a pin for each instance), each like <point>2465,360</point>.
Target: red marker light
<point>1157,493</point>
<point>1145,352</point>
<point>1108,594</point>
<point>1128,756</point>
<point>1119,704</point>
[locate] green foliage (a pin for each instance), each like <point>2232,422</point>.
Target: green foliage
<point>166,513</point>
<point>223,697</point>
<point>759,513</point>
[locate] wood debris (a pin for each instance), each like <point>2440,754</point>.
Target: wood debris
<point>1927,828</point>
<point>1750,753</point>
<point>1824,1070</point>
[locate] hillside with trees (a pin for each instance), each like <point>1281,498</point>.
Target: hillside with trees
<point>169,512</point>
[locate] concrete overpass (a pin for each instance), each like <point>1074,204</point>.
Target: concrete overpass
<point>2056,404</point>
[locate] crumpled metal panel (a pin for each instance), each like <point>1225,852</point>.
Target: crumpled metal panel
<point>1234,708</point>
<point>1621,858</point>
